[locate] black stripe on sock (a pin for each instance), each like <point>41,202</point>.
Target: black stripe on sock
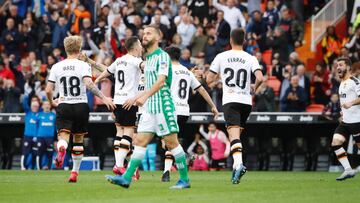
<point>117,138</point>
<point>128,138</point>
<point>235,142</point>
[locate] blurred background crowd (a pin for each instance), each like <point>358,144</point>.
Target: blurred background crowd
<point>32,33</point>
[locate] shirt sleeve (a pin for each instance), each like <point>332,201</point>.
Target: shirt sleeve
<point>255,65</point>
<point>52,75</point>
<point>223,137</point>
<point>87,71</point>
<point>164,64</point>
<point>194,84</point>
<point>111,69</point>
<point>357,89</point>
<point>215,65</point>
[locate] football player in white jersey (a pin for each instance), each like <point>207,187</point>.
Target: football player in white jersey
<point>72,76</point>
<point>349,93</point>
<point>127,73</point>
<point>183,81</point>
<point>235,67</point>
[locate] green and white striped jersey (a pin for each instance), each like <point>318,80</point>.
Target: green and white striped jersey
<point>159,63</point>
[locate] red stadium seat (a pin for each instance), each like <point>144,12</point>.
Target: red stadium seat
<point>315,108</point>
<point>266,56</point>
<point>274,83</point>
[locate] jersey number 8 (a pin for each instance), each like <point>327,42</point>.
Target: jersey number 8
<point>182,89</point>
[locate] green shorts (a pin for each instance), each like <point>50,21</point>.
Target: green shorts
<point>161,124</point>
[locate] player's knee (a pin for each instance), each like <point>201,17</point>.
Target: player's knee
<point>78,138</point>
<point>337,140</point>
<point>125,142</point>
<point>64,134</point>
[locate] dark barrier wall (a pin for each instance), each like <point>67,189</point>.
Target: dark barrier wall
<point>272,141</point>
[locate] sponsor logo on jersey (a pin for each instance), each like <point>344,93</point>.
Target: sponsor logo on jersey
<point>163,65</point>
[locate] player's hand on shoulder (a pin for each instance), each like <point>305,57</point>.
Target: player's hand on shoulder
<point>109,103</point>
<point>83,57</point>
<point>347,105</point>
<point>140,101</point>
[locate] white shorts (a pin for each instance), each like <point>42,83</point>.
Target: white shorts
<point>159,124</point>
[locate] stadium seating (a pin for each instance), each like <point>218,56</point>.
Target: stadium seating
<point>274,83</point>
<point>315,108</point>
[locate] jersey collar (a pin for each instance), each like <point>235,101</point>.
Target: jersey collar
<point>157,51</point>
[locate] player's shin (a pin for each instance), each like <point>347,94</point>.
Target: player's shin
<point>169,159</point>
<point>236,152</point>
<point>77,153</point>
<point>135,161</point>
<point>180,160</point>
<point>342,156</point>
<point>124,149</point>
<point>116,151</point>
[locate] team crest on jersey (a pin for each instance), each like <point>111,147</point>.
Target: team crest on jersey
<point>51,118</point>
<point>163,65</point>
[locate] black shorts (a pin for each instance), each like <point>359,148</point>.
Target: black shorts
<point>182,120</point>
<point>73,118</point>
<point>218,164</point>
<point>347,129</point>
<point>236,114</point>
<point>125,117</point>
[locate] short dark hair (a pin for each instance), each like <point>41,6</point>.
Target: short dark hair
<point>129,43</point>
<point>238,36</point>
<point>346,60</point>
<point>154,27</point>
<point>174,53</point>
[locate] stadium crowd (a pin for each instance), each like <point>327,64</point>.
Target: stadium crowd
<point>32,34</point>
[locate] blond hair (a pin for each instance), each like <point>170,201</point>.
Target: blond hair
<point>72,44</point>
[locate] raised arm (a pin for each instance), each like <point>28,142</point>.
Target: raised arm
<point>98,66</point>
<point>203,133</point>
<point>218,6</point>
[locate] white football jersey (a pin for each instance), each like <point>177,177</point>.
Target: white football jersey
<point>126,70</point>
<point>182,81</point>
<point>349,90</point>
<point>235,68</point>
<point>68,78</point>
<point>141,88</point>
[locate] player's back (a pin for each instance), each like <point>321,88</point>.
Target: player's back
<point>127,74</point>
<point>349,91</point>
<point>235,68</point>
<point>68,76</point>
<point>182,81</point>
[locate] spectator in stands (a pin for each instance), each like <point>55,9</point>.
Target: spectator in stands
<point>294,31</point>
<point>251,44</point>
<point>164,28</point>
<point>80,13</point>
<point>117,36</point>
<point>258,29</point>
<point>163,18</point>
<point>278,42</point>
<point>219,145</point>
<point>330,45</point>
<point>294,60</point>
<point>356,22</point>
<point>137,23</point>
<point>210,50</point>
<point>265,98</point>
<point>85,33</point>
<point>354,43</point>
<point>295,96</point>
<point>271,15</point>
<point>44,33</point>
<point>321,84</point>
<point>60,32</point>
<point>222,32</point>
<point>11,97</point>
<point>332,109</point>
<point>199,153</point>
<point>6,73</point>
<point>334,78</point>
<point>99,32</point>
<point>29,32</point>
<point>262,64</point>
<point>285,85</point>
<point>197,45</point>
<point>304,81</point>
<point>231,14</point>
<point>186,30</point>
<point>199,9</point>
<point>10,38</point>
<point>176,41</point>
<point>277,69</point>
<point>185,59</point>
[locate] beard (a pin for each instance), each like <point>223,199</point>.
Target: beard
<point>148,44</point>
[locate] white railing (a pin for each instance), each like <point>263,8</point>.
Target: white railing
<point>328,15</point>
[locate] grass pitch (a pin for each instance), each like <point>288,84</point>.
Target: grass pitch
<point>290,187</point>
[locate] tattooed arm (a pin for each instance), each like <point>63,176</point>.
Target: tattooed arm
<point>95,90</point>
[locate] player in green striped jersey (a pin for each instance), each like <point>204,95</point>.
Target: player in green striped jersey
<point>159,117</point>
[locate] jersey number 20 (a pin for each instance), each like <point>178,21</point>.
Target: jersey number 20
<point>240,78</point>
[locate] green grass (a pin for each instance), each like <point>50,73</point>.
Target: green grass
<point>290,187</point>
